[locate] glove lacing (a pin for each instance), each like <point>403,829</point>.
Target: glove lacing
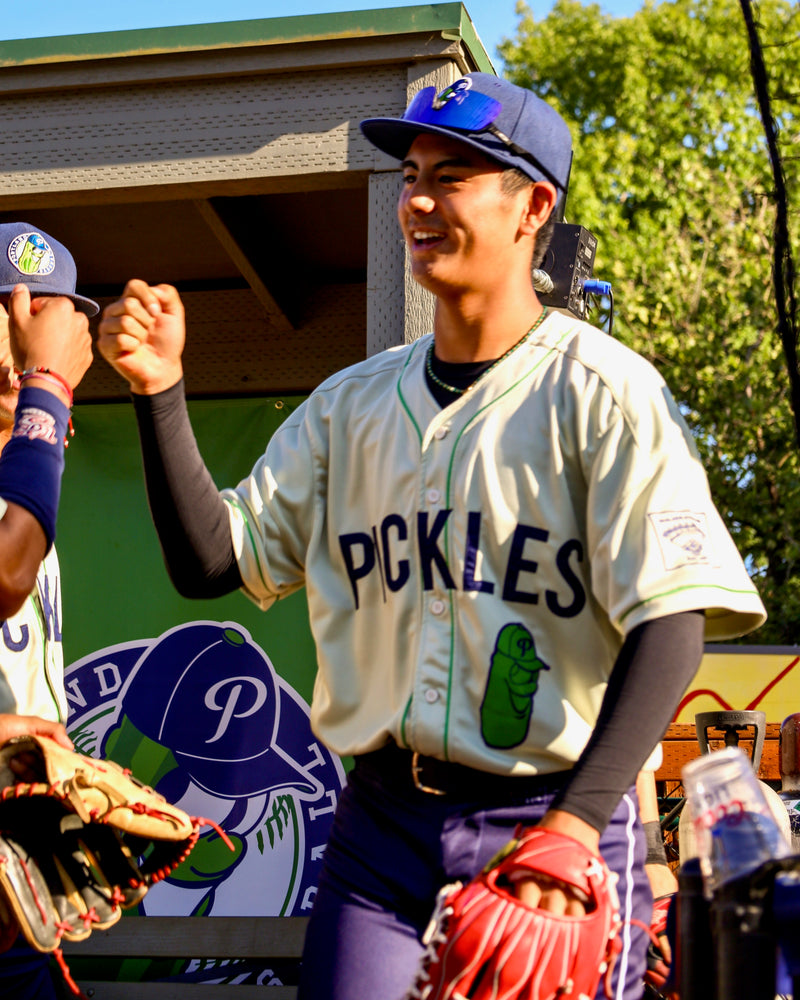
<point>435,935</point>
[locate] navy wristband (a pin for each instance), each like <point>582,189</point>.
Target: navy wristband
<point>32,462</point>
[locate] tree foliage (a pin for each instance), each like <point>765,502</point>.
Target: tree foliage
<point>672,174</point>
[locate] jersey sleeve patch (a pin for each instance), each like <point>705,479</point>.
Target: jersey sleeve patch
<point>683,538</point>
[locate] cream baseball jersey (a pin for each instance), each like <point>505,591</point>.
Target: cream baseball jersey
<point>31,658</point>
<point>472,571</point>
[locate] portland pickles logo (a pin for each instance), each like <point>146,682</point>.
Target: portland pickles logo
<point>200,714</point>
<point>30,253</point>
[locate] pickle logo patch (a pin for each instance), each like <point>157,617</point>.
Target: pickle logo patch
<point>513,681</point>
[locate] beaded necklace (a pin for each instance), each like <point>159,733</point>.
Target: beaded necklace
<point>460,392</point>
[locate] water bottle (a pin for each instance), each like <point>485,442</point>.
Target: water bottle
<point>734,826</point>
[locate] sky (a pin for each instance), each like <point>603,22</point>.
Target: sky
<point>494,20</point>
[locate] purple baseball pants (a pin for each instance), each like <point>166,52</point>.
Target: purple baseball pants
<point>389,853</point>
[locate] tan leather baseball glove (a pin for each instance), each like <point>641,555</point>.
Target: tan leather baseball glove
<point>80,838</point>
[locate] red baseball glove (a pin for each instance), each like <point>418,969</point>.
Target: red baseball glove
<point>484,944</point>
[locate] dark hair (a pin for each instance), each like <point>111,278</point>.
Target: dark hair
<point>512,181</point>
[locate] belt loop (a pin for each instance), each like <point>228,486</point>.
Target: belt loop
<point>415,773</point>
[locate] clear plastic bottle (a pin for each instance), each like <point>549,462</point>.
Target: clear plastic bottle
<point>734,826</point>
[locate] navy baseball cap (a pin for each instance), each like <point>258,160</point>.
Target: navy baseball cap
<point>30,257</point>
<point>505,122</point>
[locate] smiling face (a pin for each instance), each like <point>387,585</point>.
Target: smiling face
<point>463,231</point>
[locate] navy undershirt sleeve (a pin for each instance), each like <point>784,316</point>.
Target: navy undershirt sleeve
<point>655,666</point>
<point>189,514</point>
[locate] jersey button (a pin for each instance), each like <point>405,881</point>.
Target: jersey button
<point>431,696</point>
<point>433,496</point>
<point>438,607</point>
<point>439,433</point>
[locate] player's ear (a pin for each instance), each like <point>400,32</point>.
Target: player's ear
<point>541,201</point>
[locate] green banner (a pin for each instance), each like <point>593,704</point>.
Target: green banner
<point>115,586</point>
<point>205,700</point>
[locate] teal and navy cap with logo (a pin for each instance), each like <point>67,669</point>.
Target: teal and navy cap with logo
<point>30,257</point>
<point>507,123</point>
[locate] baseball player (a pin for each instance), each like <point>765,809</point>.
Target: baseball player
<point>507,541</point>
<point>45,349</point>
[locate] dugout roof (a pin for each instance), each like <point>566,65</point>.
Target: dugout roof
<point>226,159</point>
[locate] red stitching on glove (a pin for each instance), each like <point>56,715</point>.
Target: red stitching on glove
<point>32,887</point>
<point>200,821</point>
<point>90,917</point>
<point>59,957</point>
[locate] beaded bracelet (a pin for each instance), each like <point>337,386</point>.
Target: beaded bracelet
<point>50,376</point>
<point>56,379</point>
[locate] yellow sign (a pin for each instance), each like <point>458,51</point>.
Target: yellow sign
<point>745,678</point>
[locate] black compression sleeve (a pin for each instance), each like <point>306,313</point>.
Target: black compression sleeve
<point>655,666</point>
<point>189,514</point>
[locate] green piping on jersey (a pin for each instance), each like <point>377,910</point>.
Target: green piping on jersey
<point>37,604</point>
<point>402,398</point>
<point>234,502</point>
<point>448,494</point>
<point>678,590</point>
<point>406,713</point>
<point>450,669</point>
<point>415,425</point>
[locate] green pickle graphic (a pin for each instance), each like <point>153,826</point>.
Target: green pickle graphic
<point>32,254</point>
<point>513,680</point>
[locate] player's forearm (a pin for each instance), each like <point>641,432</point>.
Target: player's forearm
<point>190,516</point>
<point>31,466</point>
<point>654,667</point>
<point>24,545</point>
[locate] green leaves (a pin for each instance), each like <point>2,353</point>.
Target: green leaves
<point>672,174</point>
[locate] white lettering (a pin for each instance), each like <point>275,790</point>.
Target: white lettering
<point>229,708</point>
<point>313,812</point>
<point>107,688</point>
<point>318,758</point>
<point>73,693</point>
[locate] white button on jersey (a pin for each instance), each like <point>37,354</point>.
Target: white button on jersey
<point>431,696</point>
<point>433,496</point>
<point>439,433</point>
<point>438,607</point>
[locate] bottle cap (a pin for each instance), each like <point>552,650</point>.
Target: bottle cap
<point>733,823</point>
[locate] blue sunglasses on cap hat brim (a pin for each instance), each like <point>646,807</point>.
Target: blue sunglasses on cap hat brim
<point>470,111</point>
<point>466,112</point>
